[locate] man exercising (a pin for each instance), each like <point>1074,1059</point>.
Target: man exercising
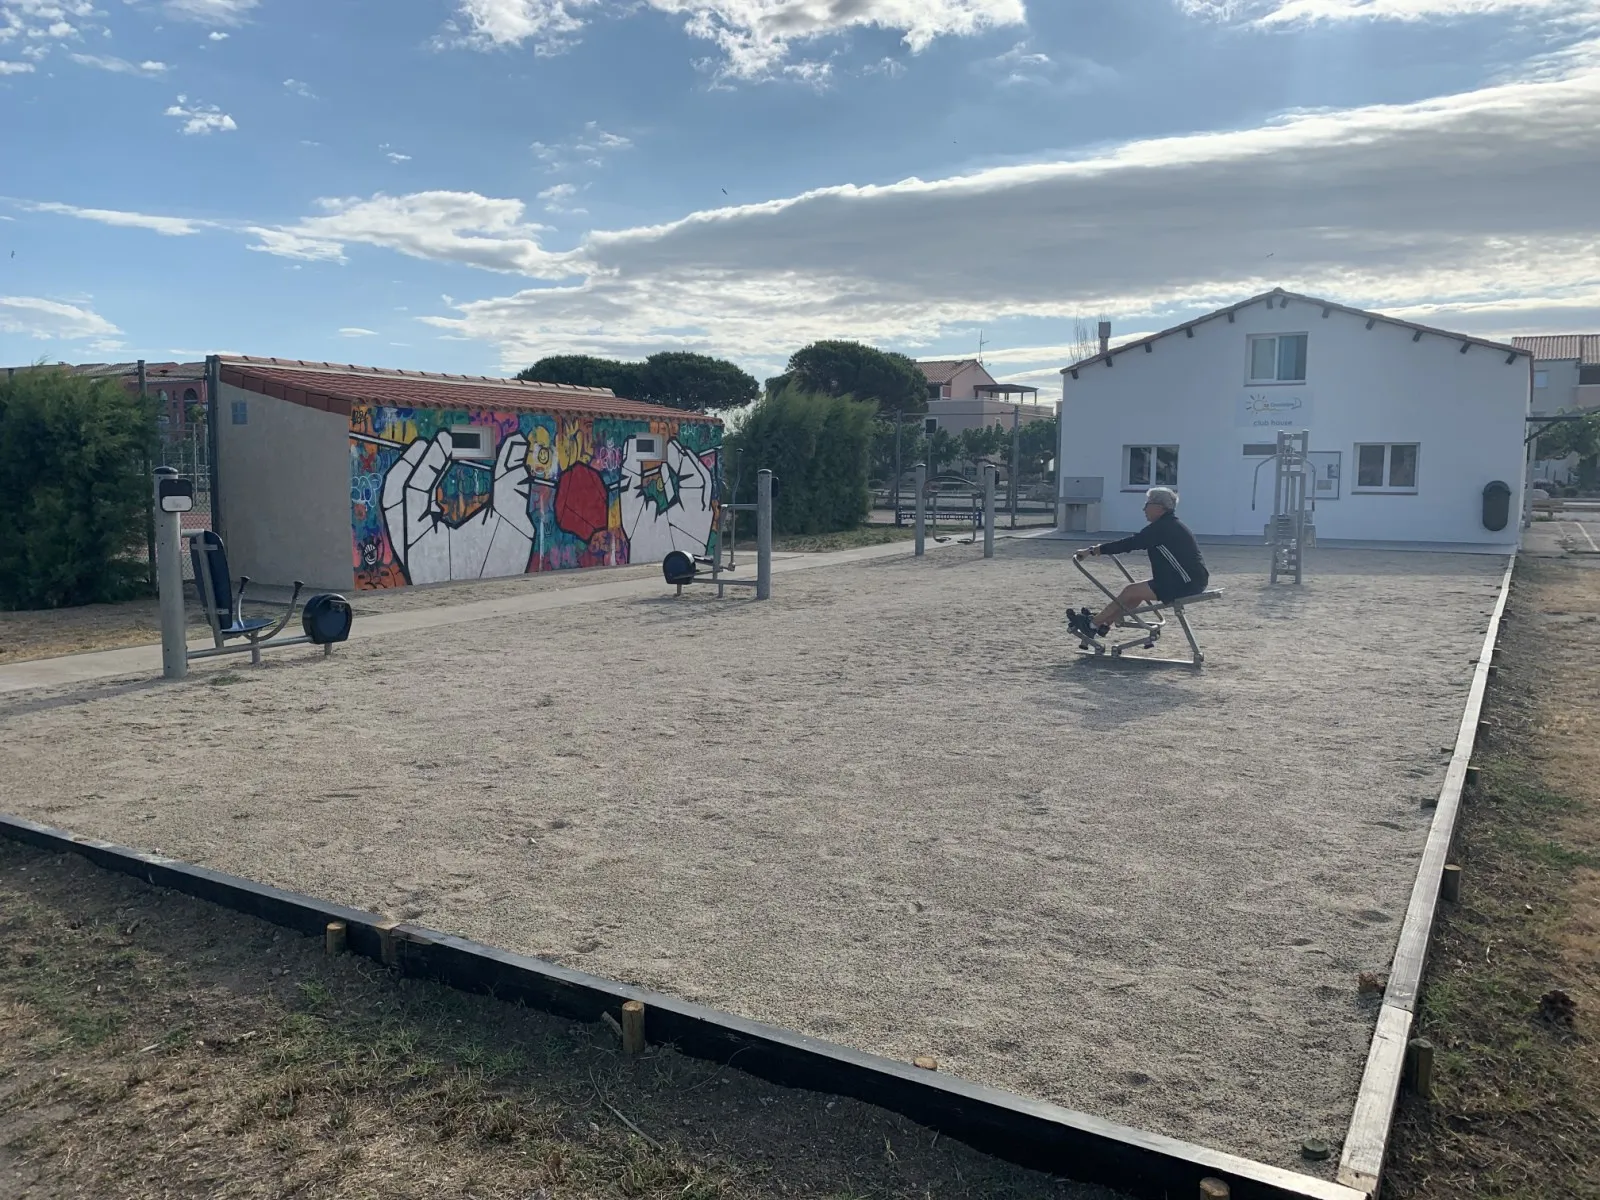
<point>1176,568</point>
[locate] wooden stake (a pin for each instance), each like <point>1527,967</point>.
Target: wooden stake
<point>1213,1189</point>
<point>926,1064</point>
<point>1450,885</point>
<point>388,943</point>
<point>333,939</point>
<point>633,1027</point>
<point>1419,1067</point>
<point>1472,777</point>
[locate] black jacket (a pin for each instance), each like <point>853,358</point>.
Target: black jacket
<point>1176,568</point>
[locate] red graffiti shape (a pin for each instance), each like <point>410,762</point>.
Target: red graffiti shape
<point>583,501</point>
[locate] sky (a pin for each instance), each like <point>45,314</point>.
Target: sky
<point>468,185</point>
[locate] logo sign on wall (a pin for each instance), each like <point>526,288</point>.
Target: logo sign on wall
<point>1274,408</point>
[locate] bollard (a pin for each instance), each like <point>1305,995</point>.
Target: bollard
<point>1419,1067</point>
<point>988,511</point>
<point>1450,884</point>
<point>763,535</point>
<point>921,476</point>
<point>169,578</point>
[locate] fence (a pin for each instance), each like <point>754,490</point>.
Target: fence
<point>187,449</point>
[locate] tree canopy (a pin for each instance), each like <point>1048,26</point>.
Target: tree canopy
<point>863,372</point>
<point>672,379</point>
<point>1579,436</point>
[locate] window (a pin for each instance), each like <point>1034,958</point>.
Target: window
<point>1587,375</point>
<point>1541,379</point>
<point>467,441</point>
<point>647,447</point>
<point>930,426</point>
<point>1278,358</point>
<point>1386,467</point>
<point>1261,450</point>
<point>944,391</point>
<point>1149,466</point>
<point>241,412</point>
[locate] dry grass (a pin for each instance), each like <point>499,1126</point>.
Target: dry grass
<point>1517,1105</point>
<point>153,1046</point>
<point>47,633</point>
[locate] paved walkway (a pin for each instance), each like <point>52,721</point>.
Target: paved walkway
<point>146,660</point>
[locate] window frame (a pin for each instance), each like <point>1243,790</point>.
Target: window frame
<point>1154,449</point>
<point>1357,488</point>
<point>1275,338</point>
<point>1541,379</point>
<point>930,426</point>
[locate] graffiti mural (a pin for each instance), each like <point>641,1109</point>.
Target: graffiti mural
<point>437,495</point>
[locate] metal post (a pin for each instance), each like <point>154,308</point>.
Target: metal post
<point>764,534</point>
<point>988,511</point>
<point>899,426</point>
<point>169,577</point>
<point>1016,459</point>
<point>150,519</point>
<point>213,437</point>
<point>920,473</point>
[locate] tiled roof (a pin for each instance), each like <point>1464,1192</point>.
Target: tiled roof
<point>1280,296</point>
<point>337,387</point>
<point>153,371</point>
<point>943,370</point>
<point>1585,347</point>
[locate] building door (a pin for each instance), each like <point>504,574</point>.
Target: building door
<point>1255,475</point>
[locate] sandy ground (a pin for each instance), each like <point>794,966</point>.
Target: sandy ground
<point>892,808</point>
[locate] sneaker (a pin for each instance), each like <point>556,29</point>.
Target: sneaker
<point>1075,622</point>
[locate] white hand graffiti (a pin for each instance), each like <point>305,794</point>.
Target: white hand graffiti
<point>496,540</point>
<point>685,522</point>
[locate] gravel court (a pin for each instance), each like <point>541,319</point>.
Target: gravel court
<point>892,808</point>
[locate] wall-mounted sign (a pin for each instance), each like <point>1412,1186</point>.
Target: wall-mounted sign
<point>1274,408</point>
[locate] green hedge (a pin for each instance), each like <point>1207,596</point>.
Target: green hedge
<point>819,447</point>
<point>73,506</point>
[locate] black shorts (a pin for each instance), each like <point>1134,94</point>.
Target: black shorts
<point>1168,592</point>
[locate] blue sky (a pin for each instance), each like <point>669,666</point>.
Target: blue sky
<point>466,185</point>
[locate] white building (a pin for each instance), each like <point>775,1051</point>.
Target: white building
<point>1408,424</point>
<point>1566,378</point>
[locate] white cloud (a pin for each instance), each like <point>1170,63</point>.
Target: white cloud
<point>201,118</point>
<point>1283,12</point>
<point>459,227</point>
<point>168,226</point>
<point>755,36</point>
<point>589,147</point>
<point>397,158</point>
<point>42,21</point>
<point>354,331</point>
<point>548,24</point>
<point>299,89</point>
<point>120,66</point>
<point>216,35</point>
<point>1386,206</point>
<point>211,12</point>
<point>15,68</point>
<point>558,199</point>
<point>31,316</point>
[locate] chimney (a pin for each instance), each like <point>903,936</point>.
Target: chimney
<point>1105,337</point>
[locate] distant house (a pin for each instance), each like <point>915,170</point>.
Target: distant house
<point>179,389</point>
<point>963,395</point>
<point>1566,377</point>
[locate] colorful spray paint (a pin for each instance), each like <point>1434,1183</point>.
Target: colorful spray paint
<point>439,495</point>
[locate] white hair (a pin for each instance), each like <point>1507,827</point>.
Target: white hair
<point>1164,496</point>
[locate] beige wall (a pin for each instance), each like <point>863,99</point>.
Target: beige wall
<point>284,478</point>
<point>955,416</point>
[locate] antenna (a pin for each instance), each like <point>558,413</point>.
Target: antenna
<point>981,344</point>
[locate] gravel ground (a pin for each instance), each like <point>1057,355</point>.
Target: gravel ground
<point>893,808</point>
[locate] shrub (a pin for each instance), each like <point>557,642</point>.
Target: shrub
<point>819,447</point>
<point>73,509</point>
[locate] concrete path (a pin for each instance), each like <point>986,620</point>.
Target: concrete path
<point>146,660</point>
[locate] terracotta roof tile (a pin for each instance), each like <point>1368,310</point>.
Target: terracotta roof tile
<point>943,370</point>
<point>1585,347</point>
<point>337,387</point>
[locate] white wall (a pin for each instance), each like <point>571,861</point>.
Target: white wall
<point>1466,411</point>
<point>284,476</point>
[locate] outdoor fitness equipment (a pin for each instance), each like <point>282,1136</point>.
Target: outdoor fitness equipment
<point>680,568</point>
<point>325,618</point>
<point>1294,477</point>
<point>1148,620</point>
